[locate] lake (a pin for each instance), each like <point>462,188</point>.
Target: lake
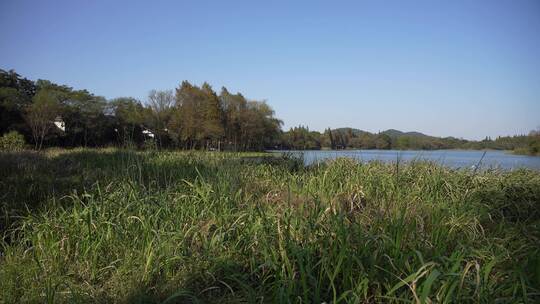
<point>451,158</point>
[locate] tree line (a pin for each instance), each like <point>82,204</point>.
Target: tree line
<point>190,117</point>
<point>301,138</point>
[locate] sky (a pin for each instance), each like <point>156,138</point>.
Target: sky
<point>459,68</point>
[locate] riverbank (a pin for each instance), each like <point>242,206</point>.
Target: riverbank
<point>525,151</point>
<point>119,226</point>
<point>479,160</point>
<point>522,151</point>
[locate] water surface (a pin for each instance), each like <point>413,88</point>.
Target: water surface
<point>451,158</point>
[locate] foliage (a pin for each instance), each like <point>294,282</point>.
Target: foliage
<point>123,226</point>
<point>160,106</point>
<point>129,113</point>
<point>193,117</point>
<point>12,141</point>
<point>202,119</point>
<point>301,138</point>
<point>15,94</point>
<point>41,113</point>
<point>347,138</point>
<point>534,143</point>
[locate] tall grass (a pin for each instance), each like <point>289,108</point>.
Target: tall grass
<point>179,227</point>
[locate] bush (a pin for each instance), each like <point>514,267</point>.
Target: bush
<point>149,144</point>
<point>12,141</point>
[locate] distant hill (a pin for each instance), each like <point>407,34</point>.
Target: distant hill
<point>417,134</point>
<point>389,132</point>
<point>397,133</point>
<point>301,138</point>
<point>355,132</point>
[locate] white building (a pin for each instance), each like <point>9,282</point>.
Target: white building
<point>148,133</point>
<point>60,124</point>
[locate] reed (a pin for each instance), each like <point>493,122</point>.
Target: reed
<point>185,227</point>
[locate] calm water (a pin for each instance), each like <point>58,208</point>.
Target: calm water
<point>451,158</point>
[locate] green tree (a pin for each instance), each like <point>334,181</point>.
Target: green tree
<point>534,142</point>
<point>212,117</point>
<point>41,114</point>
<point>187,114</point>
<point>383,142</point>
<point>15,95</point>
<point>160,104</point>
<point>129,117</point>
<point>327,139</point>
<point>86,122</point>
<point>260,127</point>
<point>235,109</point>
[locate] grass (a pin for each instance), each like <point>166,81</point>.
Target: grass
<point>103,226</point>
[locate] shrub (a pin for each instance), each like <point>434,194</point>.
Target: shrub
<point>12,141</point>
<point>149,144</point>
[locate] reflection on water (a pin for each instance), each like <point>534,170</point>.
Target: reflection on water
<point>451,158</point>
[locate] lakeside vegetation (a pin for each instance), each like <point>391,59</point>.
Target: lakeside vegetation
<point>143,221</point>
<point>191,117</point>
<point>109,225</point>
<point>301,138</point>
<point>270,152</point>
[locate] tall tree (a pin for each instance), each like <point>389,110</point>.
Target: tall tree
<point>129,117</point>
<point>160,103</point>
<point>86,122</point>
<point>212,113</point>
<point>15,95</point>
<point>41,114</point>
<point>187,115</point>
<point>234,109</point>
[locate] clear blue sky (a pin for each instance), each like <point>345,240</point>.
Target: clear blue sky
<point>462,68</point>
